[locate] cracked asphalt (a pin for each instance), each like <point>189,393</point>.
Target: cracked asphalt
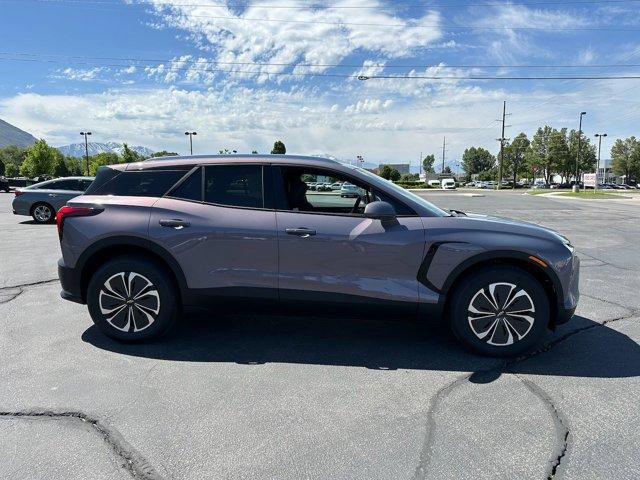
<point>239,396</point>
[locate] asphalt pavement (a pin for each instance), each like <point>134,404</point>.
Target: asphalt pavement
<point>263,397</point>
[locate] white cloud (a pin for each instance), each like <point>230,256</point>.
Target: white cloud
<point>282,41</point>
<point>79,74</point>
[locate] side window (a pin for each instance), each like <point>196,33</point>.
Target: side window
<point>328,191</point>
<point>234,185</point>
<point>84,184</point>
<point>190,188</point>
<point>69,184</point>
<point>144,183</point>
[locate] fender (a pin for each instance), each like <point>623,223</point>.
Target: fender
<point>477,259</point>
<point>133,241</point>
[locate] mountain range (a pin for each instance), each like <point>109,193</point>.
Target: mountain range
<point>11,135</point>
<point>77,149</point>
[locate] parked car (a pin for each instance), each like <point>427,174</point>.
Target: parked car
<point>323,187</point>
<point>42,200</point>
<point>540,184</point>
<point>150,238</point>
<point>434,183</point>
<point>349,190</point>
<point>311,185</point>
<point>470,184</point>
<point>448,184</point>
<point>4,184</point>
<point>336,186</point>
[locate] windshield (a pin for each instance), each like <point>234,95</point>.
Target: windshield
<point>403,193</point>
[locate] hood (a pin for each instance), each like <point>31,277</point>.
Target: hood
<point>488,223</point>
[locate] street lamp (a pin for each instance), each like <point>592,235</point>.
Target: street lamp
<point>577,183</point>
<point>191,134</point>
<point>599,137</point>
<point>86,148</point>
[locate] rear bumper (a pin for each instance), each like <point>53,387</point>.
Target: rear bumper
<point>70,281</point>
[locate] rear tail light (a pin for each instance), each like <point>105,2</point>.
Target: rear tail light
<point>70,211</point>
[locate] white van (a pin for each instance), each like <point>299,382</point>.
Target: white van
<point>434,183</point>
<point>448,184</point>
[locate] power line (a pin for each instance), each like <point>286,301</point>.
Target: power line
<point>336,75</point>
<point>304,64</point>
<point>333,7</point>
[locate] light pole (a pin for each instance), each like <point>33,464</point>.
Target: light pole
<point>86,148</point>
<point>599,137</point>
<point>191,134</point>
<point>576,185</point>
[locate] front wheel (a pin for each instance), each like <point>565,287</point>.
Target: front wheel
<point>132,299</point>
<point>502,311</point>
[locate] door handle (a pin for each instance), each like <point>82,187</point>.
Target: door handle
<point>174,223</point>
<point>53,195</point>
<point>300,232</point>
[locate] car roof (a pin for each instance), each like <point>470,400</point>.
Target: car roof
<point>236,158</point>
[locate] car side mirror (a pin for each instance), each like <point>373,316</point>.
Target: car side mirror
<point>380,210</point>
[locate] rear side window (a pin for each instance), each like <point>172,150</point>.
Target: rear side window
<point>234,185</point>
<point>144,183</point>
<point>68,184</point>
<point>190,188</point>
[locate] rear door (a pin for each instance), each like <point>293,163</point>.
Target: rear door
<point>219,226</point>
<point>59,192</point>
<point>328,250</point>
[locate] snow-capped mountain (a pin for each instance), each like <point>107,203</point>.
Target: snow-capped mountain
<point>77,149</point>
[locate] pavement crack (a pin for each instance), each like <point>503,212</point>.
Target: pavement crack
<point>8,294</point>
<point>132,461</point>
<point>560,422</point>
<point>427,446</point>
<point>489,375</point>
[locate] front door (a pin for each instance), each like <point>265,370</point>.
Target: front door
<point>330,252</point>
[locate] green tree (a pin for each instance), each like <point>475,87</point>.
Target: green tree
<point>561,160</point>
<point>60,168</point>
<point>427,164</point>
<point>515,153</point>
<point>75,166</point>
<point>254,152</point>
<point>40,160</point>
<point>163,153</point>
<point>389,173</point>
<point>11,170</point>
<point>447,170</point>
<point>104,158</point>
<point>12,154</point>
<point>588,156</point>
<point>477,160</point>
<point>545,148</point>
<point>410,177</point>
<point>279,148</point>
<point>129,156</point>
<point>625,158</point>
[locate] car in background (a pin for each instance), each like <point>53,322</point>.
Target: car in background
<point>348,190</point>
<point>434,183</point>
<point>540,185</point>
<point>323,187</point>
<point>42,200</point>
<point>4,184</point>
<point>311,185</point>
<point>470,184</point>
<point>336,186</point>
<point>149,238</point>
<point>448,184</point>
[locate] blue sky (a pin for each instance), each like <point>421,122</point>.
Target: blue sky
<point>146,71</point>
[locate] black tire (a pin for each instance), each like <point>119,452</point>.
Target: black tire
<point>43,213</point>
<point>502,334</point>
<point>125,319</point>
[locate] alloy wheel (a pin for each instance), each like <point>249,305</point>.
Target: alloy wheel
<point>129,302</point>
<point>42,213</point>
<point>501,314</point>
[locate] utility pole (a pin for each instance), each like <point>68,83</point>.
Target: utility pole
<point>599,137</point>
<point>420,164</point>
<point>191,134</point>
<point>444,146</point>
<point>502,140</point>
<point>86,148</point>
<point>577,182</point>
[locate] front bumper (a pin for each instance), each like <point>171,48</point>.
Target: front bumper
<point>71,283</point>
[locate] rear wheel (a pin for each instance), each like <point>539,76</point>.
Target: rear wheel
<point>42,213</point>
<point>132,299</point>
<point>502,311</point>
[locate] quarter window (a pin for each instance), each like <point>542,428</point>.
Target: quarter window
<point>234,185</point>
<point>190,188</point>
<point>144,183</point>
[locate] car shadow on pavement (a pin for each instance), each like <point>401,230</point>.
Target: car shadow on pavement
<point>595,351</point>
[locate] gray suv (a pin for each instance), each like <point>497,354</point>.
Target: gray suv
<point>148,239</point>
